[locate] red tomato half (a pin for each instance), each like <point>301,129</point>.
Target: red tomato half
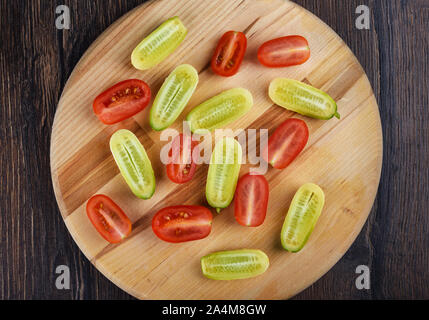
<point>284,52</point>
<point>251,200</point>
<point>182,167</point>
<point>182,223</point>
<point>109,220</point>
<point>229,53</point>
<point>122,101</point>
<point>286,143</point>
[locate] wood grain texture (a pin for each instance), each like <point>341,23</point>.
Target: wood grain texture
<point>36,60</point>
<point>344,157</point>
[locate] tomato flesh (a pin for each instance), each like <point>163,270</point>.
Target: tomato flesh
<point>284,52</point>
<point>123,100</point>
<point>251,200</point>
<point>108,218</point>
<point>182,167</point>
<point>182,223</point>
<point>286,143</point>
<point>229,53</point>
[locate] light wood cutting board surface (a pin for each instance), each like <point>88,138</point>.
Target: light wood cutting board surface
<point>342,156</point>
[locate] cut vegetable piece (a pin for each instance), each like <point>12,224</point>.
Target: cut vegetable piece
<point>173,96</point>
<point>121,101</point>
<point>108,218</point>
<point>286,143</point>
<point>223,173</point>
<point>133,163</point>
<point>251,200</point>
<point>284,52</point>
<point>302,98</point>
<point>182,223</point>
<point>234,264</point>
<point>182,166</point>
<point>229,53</point>
<point>220,110</point>
<point>159,44</point>
<point>304,211</point>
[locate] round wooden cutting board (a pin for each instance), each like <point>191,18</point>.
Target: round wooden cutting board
<point>342,156</point>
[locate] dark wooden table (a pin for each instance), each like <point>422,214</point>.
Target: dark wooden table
<point>35,61</point>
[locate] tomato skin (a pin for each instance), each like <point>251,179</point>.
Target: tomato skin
<point>122,101</point>
<point>182,167</point>
<point>182,223</point>
<point>251,200</point>
<point>284,52</point>
<point>108,218</point>
<point>229,53</point>
<point>286,143</point>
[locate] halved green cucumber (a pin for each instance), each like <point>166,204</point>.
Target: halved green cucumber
<point>159,44</point>
<point>133,163</point>
<point>304,211</point>
<point>220,110</point>
<point>223,173</point>
<point>302,98</point>
<point>234,264</point>
<point>173,96</point>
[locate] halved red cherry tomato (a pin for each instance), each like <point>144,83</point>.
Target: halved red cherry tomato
<point>109,220</point>
<point>251,200</point>
<point>286,143</point>
<point>122,101</point>
<point>182,223</point>
<point>182,167</point>
<point>284,52</point>
<point>229,53</point>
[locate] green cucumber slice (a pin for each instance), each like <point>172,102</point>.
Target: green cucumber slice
<point>234,264</point>
<point>303,99</point>
<point>173,96</point>
<point>304,211</point>
<point>133,163</point>
<point>223,173</point>
<point>220,110</point>
<point>159,44</point>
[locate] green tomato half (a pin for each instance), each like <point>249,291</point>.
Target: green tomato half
<point>234,264</point>
<point>159,44</point>
<point>304,211</point>
<point>220,110</point>
<point>302,98</point>
<point>223,173</point>
<point>173,96</point>
<point>133,163</point>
